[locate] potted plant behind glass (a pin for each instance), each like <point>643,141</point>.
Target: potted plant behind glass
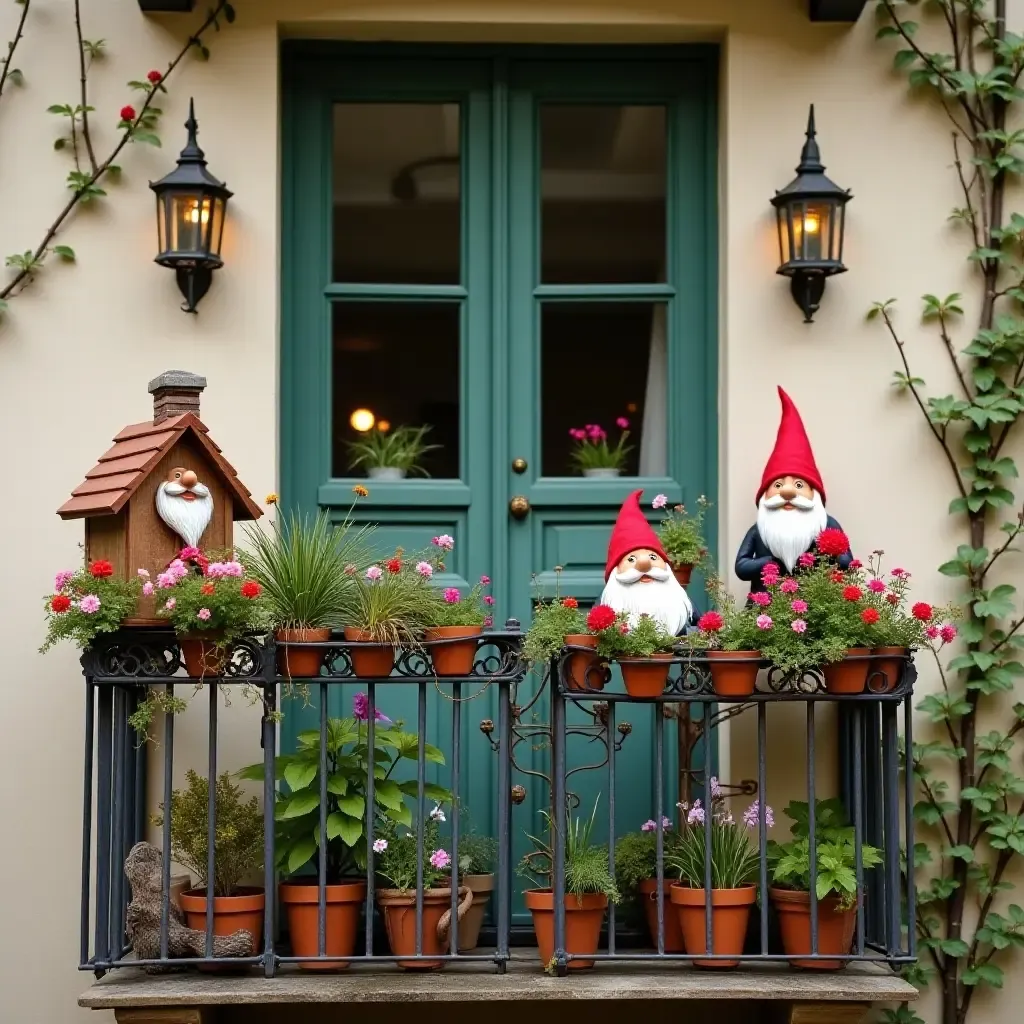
<point>238,854</point>
<point>88,601</point>
<point>682,536</point>
<point>561,623</point>
<point>836,893</point>
<point>734,865</point>
<point>298,823</point>
<point>636,876</point>
<point>211,602</point>
<point>456,623</point>
<point>390,455</point>
<point>588,887</point>
<point>592,454</point>
<point>300,563</point>
<point>396,863</point>
<point>643,652</point>
<point>477,856</point>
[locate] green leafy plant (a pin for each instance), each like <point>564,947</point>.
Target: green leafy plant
<point>636,855</point>
<point>298,811</point>
<point>836,852</point>
<point>592,449</point>
<point>452,609</point>
<point>238,835</point>
<point>478,853</point>
<point>401,448</point>
<point>396,848</point>
<point>682,534</point>
<point>87,602</point>
<point>616,638</point>
<point>552,622</point>
<point>394,601</point>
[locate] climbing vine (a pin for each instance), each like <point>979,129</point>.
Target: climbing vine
<point>969,802</point>
<point>138,123</point>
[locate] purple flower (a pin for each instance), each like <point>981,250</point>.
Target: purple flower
<point>439,859</point>
<point>660,501</point>
<point>361,709</point>
<point>764,622</point>
<point>147,589</point>
<point>696,815</point>
<point>204,614</point>
<point>452,595</point>
<point>752,815</point>
<point>799,626</point>
<point>649,825</point>
<point>380,845</point>
<point>799,607</point>
<point>425,569</point>
<point>62,579</point>
<point>374,573</point>
<point>716,789</point>
<point>89,604</point>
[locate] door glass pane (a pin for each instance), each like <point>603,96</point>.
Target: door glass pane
<point>395,370</point>
<point>604,365</point>
<point>396,193</point>
<point>602,194</point>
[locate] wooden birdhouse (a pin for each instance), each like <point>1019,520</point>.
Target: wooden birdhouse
<point>162,486</point>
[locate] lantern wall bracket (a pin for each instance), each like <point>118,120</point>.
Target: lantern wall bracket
<point>807,288</point>
<point>194,283</point>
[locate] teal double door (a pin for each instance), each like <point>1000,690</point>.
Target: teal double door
<point>504,246</point>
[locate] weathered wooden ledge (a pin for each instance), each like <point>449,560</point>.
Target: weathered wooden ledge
<point>859,983</point>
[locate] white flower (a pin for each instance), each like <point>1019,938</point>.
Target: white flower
<point>437,814</point>
<point>380,845</point>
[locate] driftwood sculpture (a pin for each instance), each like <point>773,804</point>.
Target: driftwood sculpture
<point>143,866</point>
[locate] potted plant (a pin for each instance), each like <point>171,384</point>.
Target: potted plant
<point>210,602</point>
<point>89,601</point>
<point>643,652</point>
<point>734,864</point>
<point>300,563</point>
<point>298,822</point>
<point>396,852</point>
<point>588,887</point>
<point>477,856</point>
<point>593,455</point>
<point>636,876</point>
<point>836,892</point>
<point>391,455</point>
<point>393,601</point>
<point>238,853</point>
<point>457,623</point>
<point>682,536</point>
<point>561,623</point>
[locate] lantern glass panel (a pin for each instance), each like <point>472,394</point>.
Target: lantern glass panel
<point>161,225</point>
<point>216,236</point>
<point>812,228</point>
<point>188,219</point>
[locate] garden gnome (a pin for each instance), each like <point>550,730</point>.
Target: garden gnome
<point>638,578</point>
<point>790,505</point>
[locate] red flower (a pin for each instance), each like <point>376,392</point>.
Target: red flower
<point>856,564</point>
<point>250,589</point>
<point>892,598</point>
<point>600,617</point>
<point>870,616</point>
<point>833,542</point>
<point>852,593</point>
<point>207,588</point>
<point>155,77</point>
<point>922,612</point>
<point>60,603</point>
<point>101,569</point>
<point>394,566</point>
<point>836,576</point>
<point>710,622</point>
<point>570,602</point>
<point>128,113</point>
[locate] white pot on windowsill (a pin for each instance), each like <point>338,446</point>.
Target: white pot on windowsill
<point>385,473</point>
<point>605,473</point>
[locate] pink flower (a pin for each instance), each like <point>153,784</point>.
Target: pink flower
<point>770,574</point>
<point>485,581</point>
<point>660,501</point>
<point>204,614</point>
<point>170,603</point>
<point>488,621</point>
<point>142,573</point>
<point>622,423</point>
<point>595,433</point>
<point>189,552</point>
<point>380,845</point>
<point>147,589</point>
<point>649,826</point>
<point>488,600</point>
<point>789,585</point>
<point>764,622</point>
<point>89,604</point>
<point>425,569</point>
<point>948,633</point>
<point>361,711</point>
<point>752,815</point>
<point>761,598</point>
<point>932,632</point>
<point>445,542</point>
<point>577,434</point>
<point>876,586</point>
<point>62,579</point>
<point>901,574</point>
<point>716,788</point>
<point>696,815</point>
<point>856,564</point>
<point>166,580</point>
<point>799,626</point>
<point>439,859</point>
<point>806,560</point>
<point>374,573</point>
<point>799,607</point>
<point>452,595</point>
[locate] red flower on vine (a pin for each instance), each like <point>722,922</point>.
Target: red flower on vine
<point>128,113</point>
<point>155,77</point>
<point>922,612</point>
<point>251,589</point>
<point>852,593</point>
<point>101,569</point>
<point>833,542</point>
<point>600,617</point>
<point>870,616</point>
<point>60,603</point>
<point>570,602</point>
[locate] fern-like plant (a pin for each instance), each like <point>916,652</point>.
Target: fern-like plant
<point>402,448</point>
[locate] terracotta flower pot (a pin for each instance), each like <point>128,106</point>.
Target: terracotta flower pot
<point>399,908</point>
<point>883,675</point>
<point>203,654</point>
<point>375,662</point>
<point>734,673</point>
<point>583,918</point>
<point>301,662</point>
<point>230,913</point>
<point>730,911</point>
<point>582,669</point>
<point>301,901</point>
<point>835,927</point>
<point>469,927</point>
<point>646,677</point>
<point>849,675</point>
<point>682,573</point>
<point>670,921</point>
<point>453,659</point>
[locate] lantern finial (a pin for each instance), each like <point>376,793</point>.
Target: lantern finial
<point>192,154</point>
<point>810,157</point>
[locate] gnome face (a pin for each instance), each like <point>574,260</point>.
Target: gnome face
<point>185,505</point>
<point>790,515</point>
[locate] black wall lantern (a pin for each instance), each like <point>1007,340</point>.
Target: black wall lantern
<point>190,208</point>
<point>811,217</point>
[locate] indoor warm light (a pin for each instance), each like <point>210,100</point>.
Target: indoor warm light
<point>362,420</point>
<point>631,407</point>
<point>383,426</point>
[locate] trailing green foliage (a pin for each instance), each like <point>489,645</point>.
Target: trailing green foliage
<point>646,638</point>
<point>401,448</point>
<point>478,853</point>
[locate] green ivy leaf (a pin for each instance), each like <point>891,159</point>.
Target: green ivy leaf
<point>300,853</point>
<point>302,803</point>
<point>988,973</point>
<point>388,794</point>
<point>954,947</point>
<point>300,774</point>
<point>960,853</point>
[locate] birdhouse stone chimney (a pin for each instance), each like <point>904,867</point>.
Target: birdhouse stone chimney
<point>175,392</point>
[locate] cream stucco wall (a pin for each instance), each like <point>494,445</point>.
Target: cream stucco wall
<point>78,346</point>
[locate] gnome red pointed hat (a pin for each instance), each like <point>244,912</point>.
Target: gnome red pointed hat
<point>631,531</point>
<point>792,455</point>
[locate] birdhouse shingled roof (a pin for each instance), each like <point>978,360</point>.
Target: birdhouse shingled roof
<point>136,451</point>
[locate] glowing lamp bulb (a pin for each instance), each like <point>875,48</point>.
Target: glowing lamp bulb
<point>195,215</point>
<point>811,224</point>
<point>362,420</point>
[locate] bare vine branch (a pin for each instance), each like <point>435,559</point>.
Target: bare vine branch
<point>5,75</point>
<point>85,97</point>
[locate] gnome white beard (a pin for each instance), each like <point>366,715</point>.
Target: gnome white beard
<point>788,533</point>
<point>664,600</point>
<point>188,519</point>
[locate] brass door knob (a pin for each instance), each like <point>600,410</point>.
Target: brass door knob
<point>519,506</point>
<point>519,465</point>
